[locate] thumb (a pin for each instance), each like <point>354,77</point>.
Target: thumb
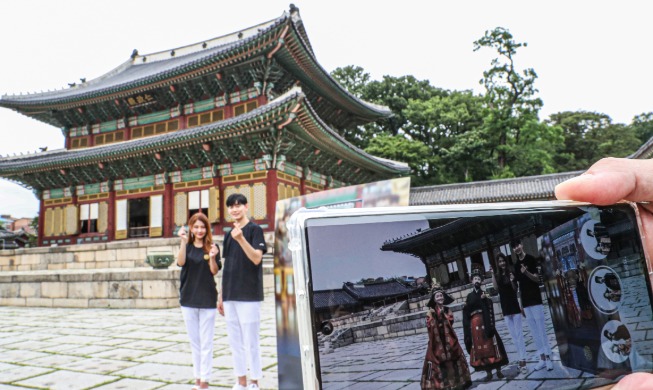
<point>636,381</point>
<point>610,180</point>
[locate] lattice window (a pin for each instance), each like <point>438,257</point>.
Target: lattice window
<point>259,207</point>
<point>76,143</point>
<point>241,109</point>
<point>48,224</point>
<point>103,217</point>
<point>204,118</point>
<point>181,208</point>
<point>58,221</point>
<point>71,219</point>
<point>109,138</point>
<point>154,129</point>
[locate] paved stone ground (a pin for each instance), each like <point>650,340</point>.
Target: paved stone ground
<point>397,363</point>
<point>112,349</point>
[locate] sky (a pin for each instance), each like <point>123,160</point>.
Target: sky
<point>333,265</point>
<point>588,55</point>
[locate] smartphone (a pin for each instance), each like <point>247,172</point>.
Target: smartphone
<point>364,279</point>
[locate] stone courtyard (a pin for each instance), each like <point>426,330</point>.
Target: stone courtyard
<point>396,363</point>
<point>111,349</point>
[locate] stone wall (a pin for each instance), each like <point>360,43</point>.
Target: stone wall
<point>106,288</point>
<point>117,254</point>
<point>107,275</point>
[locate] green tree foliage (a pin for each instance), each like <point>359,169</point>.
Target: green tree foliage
<point>590,136</point>
<point>456,136</point>
<point>415,153</point>
<point>643,126</point>
<point>512,108</point>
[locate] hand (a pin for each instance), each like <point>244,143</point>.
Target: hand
<point>490,270</point>
<point>236,232</point>
<point>214,251</point>
<point>635,381</point>
<point>512,277</point>
<point>182,233</point>
<point>611,180</point>
<point>220,307</point>
<point>523,269</point>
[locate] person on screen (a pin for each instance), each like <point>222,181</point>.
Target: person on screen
<point>609,181</point>
<point>505,282</point>
<point>613,287</point>
<point>198,293</point>
<point>528,277</point>
<point>485,348</point>
<point>242,292</point>
<point>445,367</point>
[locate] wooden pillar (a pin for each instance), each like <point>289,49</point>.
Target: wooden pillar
<point>168,209</point>
<point>111,217</point>
<point>272,195</point>
<point>41,227</point>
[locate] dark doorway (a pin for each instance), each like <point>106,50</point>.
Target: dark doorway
<point>139,217</point>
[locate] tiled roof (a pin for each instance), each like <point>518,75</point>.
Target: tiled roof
<point>329,298</point>
<point>284,35</point>
<point>504,190</point>
<point>311,129</point>
<point>380,290</point>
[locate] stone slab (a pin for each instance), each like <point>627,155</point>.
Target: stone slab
<point>67,380</point>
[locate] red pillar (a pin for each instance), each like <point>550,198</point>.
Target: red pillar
<point>272,196</point>
<point>111,218</point>
<point>168,209</point>
<point>41,228</point>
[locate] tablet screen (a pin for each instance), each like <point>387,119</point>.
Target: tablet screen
<point>561,299</point>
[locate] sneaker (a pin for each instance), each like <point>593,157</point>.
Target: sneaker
<point>540,365</point>
<point>238,386</point>
<point>549,364</point>
<point>252,386</point>
<point>522,367</point>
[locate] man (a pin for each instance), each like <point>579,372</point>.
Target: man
<point>485,348</point>
<point>531,299</point>
<point>242,291</point>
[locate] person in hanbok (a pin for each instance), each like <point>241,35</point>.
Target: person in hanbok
<point>485,348</point>
<point>445,366</point>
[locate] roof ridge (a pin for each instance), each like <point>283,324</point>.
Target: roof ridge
<point>498,181</point>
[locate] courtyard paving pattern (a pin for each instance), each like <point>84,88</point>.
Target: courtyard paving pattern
<point>397,363</point>
<point>111,349</point>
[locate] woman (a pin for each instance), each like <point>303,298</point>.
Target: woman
<point>504,282</point>
<point>197,294</point>
<point>485,348</point>
<point>445,367</point>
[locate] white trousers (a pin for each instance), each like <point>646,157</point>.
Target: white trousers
<point>200,325</point>
<point>535,317</point>
<point>243,325</point>
<point>517,333</point>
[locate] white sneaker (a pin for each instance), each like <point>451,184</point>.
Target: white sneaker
<point>238,386</point>
<point>549,364</point>
<point>540,365</point>
<point>252,386</point>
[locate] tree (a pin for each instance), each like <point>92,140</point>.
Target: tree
<point>590,136</point>
<point>399,148</point>
<point>449,125</point>
<point>642,124</point>
<point>511,102</point>
<point>353,78</point>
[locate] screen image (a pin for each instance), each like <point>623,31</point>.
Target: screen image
<point>549,297</point>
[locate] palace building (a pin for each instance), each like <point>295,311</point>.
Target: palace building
<point>167,134</point>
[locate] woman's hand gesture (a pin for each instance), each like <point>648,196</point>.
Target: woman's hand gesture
<point>182,233</point>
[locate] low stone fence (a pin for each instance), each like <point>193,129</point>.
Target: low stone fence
<point>118,254</point>
<point>101,288</point>
<point>113,274</point>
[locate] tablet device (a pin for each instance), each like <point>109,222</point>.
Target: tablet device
<point>365,287</point>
